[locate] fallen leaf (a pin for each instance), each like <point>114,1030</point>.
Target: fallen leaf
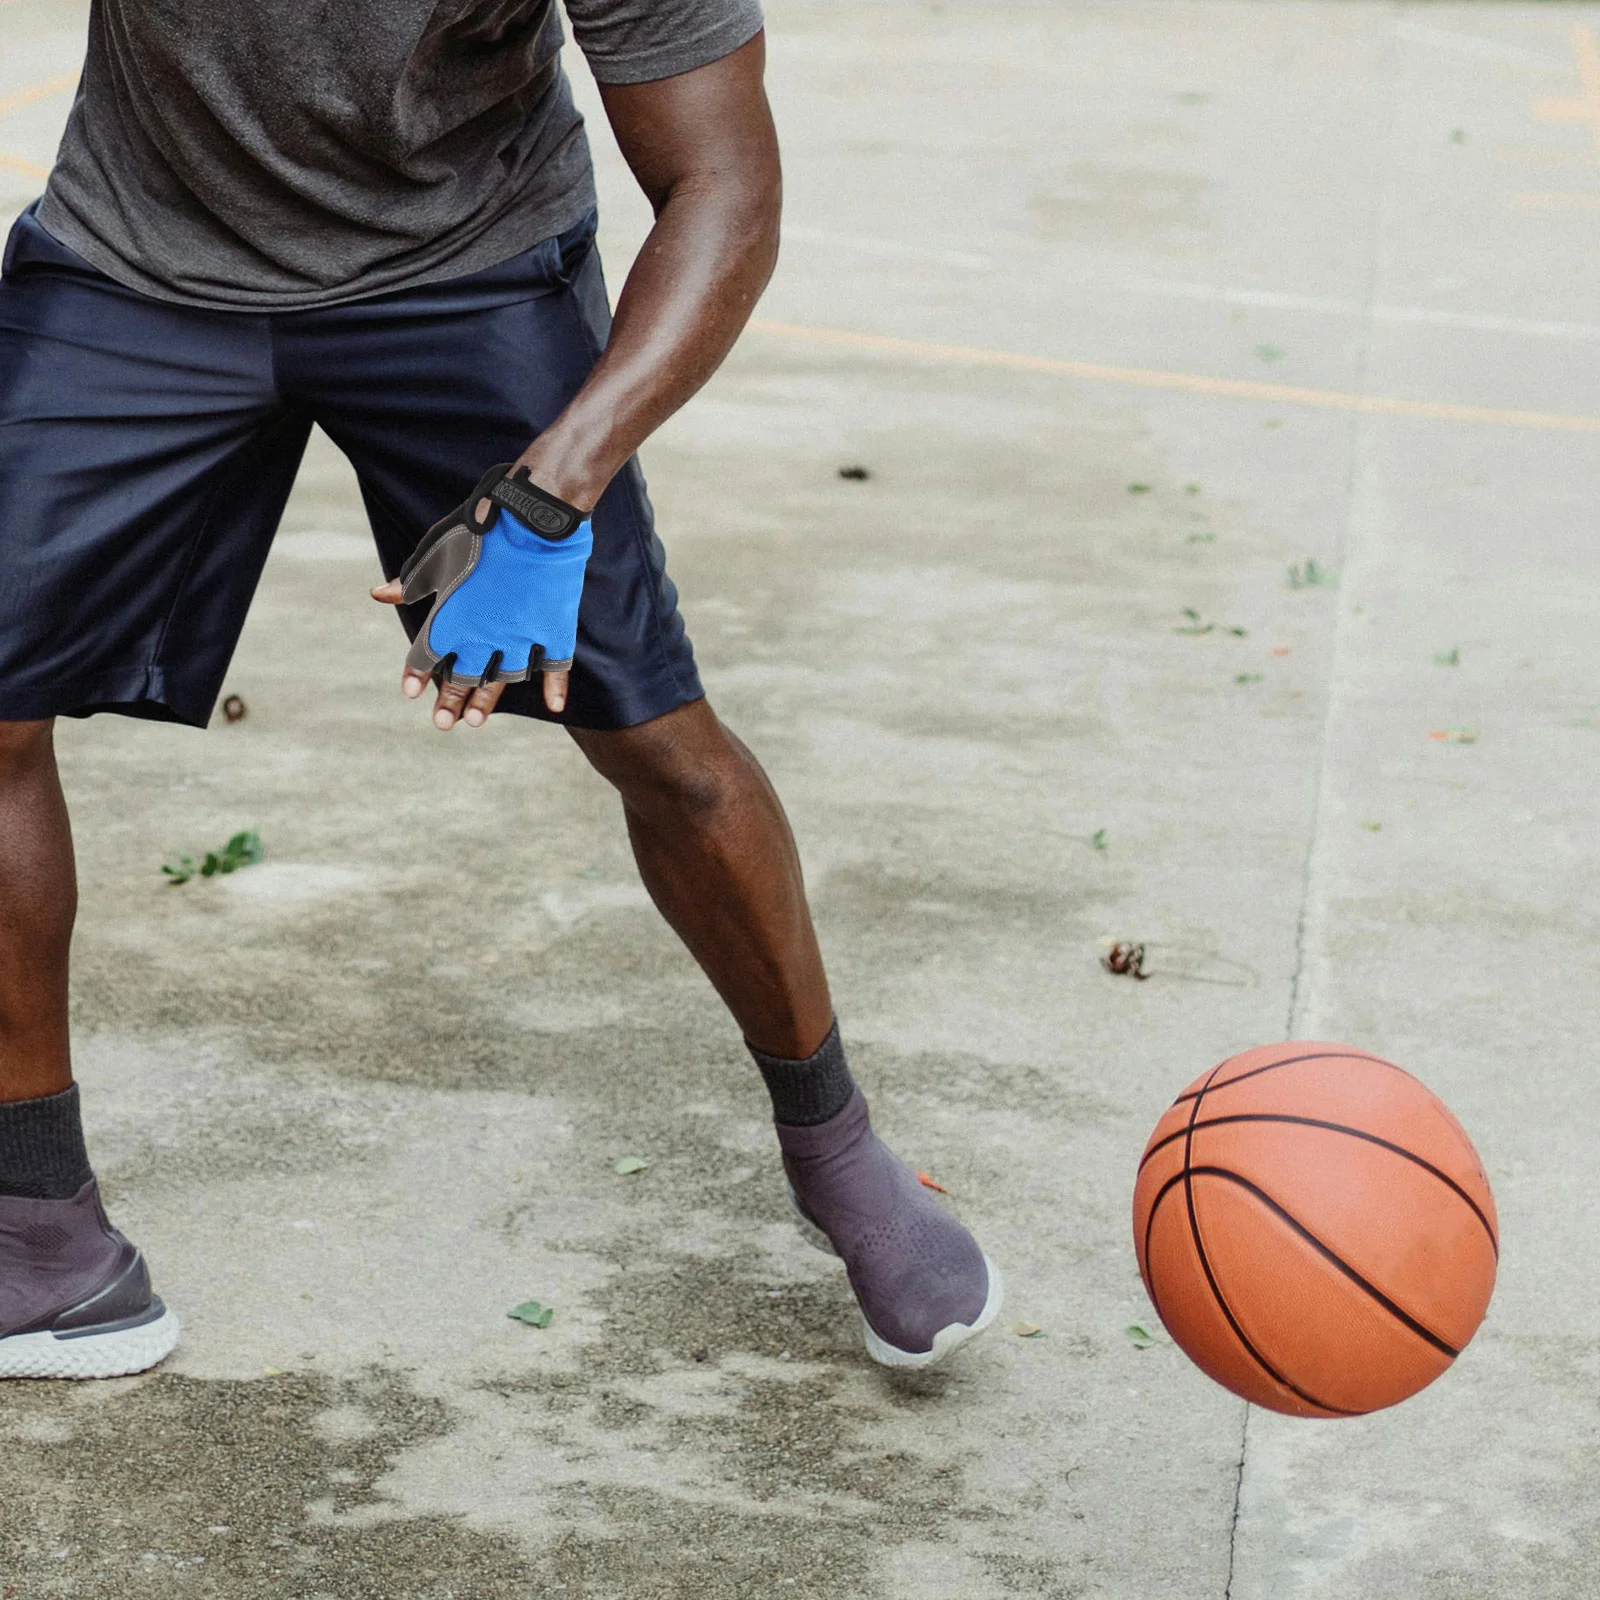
<point>628,1165</point>
<point>1269,352</point>
<point>1097,840</point>
<point>1309,574</point>
<point>855,474</point>
<point>1138,488</point>
<point>244,849</point>
<point>1373,827</point>
<point>930,1183</point>
<point>1280,649</point>
<point>1196,625</point>
<point>1247,677</point>
<point>1447,658</point>
<point>1026,1330</point>
<point>1453,735</point>
<point>1140,1336</point>
<point>532,1313</point>
<point>181,868</point>
<point>1125,960</point>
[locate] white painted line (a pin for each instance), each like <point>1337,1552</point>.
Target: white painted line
<point>1470,44</point>
<point>1272,300</point>
<point>867,245</point>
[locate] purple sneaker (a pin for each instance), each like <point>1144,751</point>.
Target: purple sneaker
<point>75,1298</point>
<point>923,1285</point>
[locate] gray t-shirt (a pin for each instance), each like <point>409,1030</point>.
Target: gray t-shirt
<point>272,154</point>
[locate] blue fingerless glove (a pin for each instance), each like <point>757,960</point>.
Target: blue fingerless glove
<point>506,584</point>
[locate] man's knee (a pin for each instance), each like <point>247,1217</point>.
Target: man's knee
<point>683,765</point>
<point>23,746</point>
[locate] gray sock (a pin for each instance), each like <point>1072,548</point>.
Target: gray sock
<point>42,1156</point>
<point>807,1092</point>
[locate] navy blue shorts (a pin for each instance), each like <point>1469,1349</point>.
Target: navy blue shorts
<point>147,449</point>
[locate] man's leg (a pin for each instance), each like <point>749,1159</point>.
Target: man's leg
<point>489,361</point>
<point>715,852</point>
<point>75,1297</point>
<point>38,900</point>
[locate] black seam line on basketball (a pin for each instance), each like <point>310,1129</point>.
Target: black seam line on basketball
<point>1149,1221</point>
<point>1149,1228</point>
<point>1337,1127</point>
<point>1292,1061</point>
<point>1249,1349</point>
<point>1205,1261</point>
<point>1421,1331</point>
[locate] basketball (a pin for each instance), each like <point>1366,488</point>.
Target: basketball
<point>1315,1229</point>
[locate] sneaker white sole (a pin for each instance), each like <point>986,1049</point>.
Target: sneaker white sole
<point>948,1339</point>
<point>945,1342</point>
<point>90,1355</point>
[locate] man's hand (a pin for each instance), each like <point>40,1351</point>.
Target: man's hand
<point>463,702</point>
<point>505,571</point>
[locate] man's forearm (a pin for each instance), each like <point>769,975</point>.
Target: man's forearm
<point>685,302</point>
<point>705,153</point>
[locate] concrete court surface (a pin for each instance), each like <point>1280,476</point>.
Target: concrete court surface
<point>1127,308</point>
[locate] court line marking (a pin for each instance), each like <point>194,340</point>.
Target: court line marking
<point>1555,200</point>
<point>42,90</point>
<point>1537,155</point>
<point>30,169</point>
<point>870,245</point>
<point>1473,45</point>
<point>1178,382</point>
<point>1274,300</point>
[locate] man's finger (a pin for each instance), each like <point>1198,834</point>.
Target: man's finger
<point>555,690</point>
<point>482,702</point>
<point>452,697</point>
<point>389,593</point>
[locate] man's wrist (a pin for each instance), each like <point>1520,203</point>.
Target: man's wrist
<point>535,507</point>
<point>567,477</point>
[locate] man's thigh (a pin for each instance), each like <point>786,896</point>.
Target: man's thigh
<point>426,389</point>
<point>144,461</point>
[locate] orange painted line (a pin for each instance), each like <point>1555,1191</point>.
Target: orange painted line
<point>1181,382</point>
<point>25,96</point>
<point>31,169</point>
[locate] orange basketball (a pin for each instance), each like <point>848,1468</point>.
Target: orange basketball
<point>1315,1229</point>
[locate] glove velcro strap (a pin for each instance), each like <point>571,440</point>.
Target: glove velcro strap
<point>540,510</point>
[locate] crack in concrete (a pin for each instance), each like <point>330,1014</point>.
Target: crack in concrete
<point>1238,1496</point>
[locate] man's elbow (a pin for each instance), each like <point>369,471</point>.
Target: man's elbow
<point>741,205</point>
<point>764,217</point>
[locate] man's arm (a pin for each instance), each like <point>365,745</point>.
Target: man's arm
<point>706,155</point>
<point>705,152</point>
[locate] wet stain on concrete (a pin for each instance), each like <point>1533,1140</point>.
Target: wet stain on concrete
<point>171,1488</point>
